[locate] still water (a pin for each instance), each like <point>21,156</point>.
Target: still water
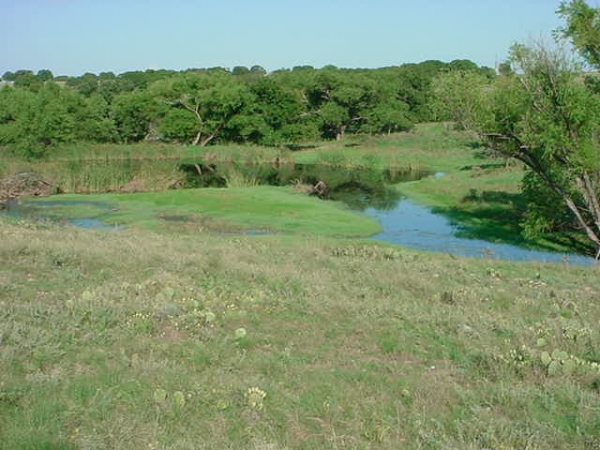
<point>415,226</point>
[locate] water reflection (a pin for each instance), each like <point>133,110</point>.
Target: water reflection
<point>415,226</point>
<point>359,188</point>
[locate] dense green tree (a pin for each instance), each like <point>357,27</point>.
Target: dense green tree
<point>582,29</point>
<point>132,113</point>
<point>45,75</point>
<point>140,80</point>
<point>213,100</point>
<point>306,68</point>
<point>94,121</point>
<point>463,65</point>
<point>8,76</point>
<point>107,76</point>
<point>548,119</point>
<point>412,85</point>
<point>86,84</point>
<point>108,89</point>
<point>240,71</point>
<point>459,96</point>
<point>275,115</point>
<point>33,122</point>
<point>342,99</point>
<point>177,124</point>
<point>243,105</point>
<point>12,105</point>
<point>258,70</point>
<point>133,80</point>
<point>387,116</point>
<point>26,79</point>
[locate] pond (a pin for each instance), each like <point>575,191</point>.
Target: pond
<point>370,191</point>
<point>44,210</point>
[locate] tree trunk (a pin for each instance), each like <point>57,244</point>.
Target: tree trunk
<point>594,237</point>
<point>204,142</point>
<point>197,138</point>
<point>584,182</point>
<point>340,134</point>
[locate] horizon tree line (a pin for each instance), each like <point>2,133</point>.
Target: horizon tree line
<point>204,106</point>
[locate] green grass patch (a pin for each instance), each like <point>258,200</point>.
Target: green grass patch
<point>258,208</point>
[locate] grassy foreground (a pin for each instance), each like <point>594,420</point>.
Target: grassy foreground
<point>139,340</point>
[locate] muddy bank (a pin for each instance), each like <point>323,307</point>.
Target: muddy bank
<point>24,184</point>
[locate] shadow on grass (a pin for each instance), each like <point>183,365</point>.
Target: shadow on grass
<point>299,147</point>
<point>496,216</point>
<point>493,198</point>
<point>494,165</point>
<point>488,222</point>
<point>475,145</point>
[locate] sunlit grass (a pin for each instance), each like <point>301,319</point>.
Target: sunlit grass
<point>259,208</point>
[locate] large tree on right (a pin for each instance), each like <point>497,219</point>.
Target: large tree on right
<point>546,113</point>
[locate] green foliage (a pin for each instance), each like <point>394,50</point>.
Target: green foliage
<point>463,65</point>
<point>178,125</point>
<point>547,216</point>
<point>34,122</point>
<point>460,97</point>
<point>582,29</point>
<point>240,71</point>
<point>275,115</point>
<point>132,113</point>
<point>44,75</point>
<point>212,100</point>
<point>216,105</point>
<point>388,116</point>
<point>353,102</point>
<point>548,119</point>
<point>27,80</point>
<point>8,76</point>
<point>543,112</point>
<point>95,123</point>
<point>86,84</point>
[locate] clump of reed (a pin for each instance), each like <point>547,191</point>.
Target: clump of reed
<point>235,178</point>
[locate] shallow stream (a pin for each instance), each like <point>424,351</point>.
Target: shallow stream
<point>415,226</point>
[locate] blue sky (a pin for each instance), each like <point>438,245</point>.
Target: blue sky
<point>76,36</point>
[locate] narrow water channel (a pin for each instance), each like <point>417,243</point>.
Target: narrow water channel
<point>415,226</point>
